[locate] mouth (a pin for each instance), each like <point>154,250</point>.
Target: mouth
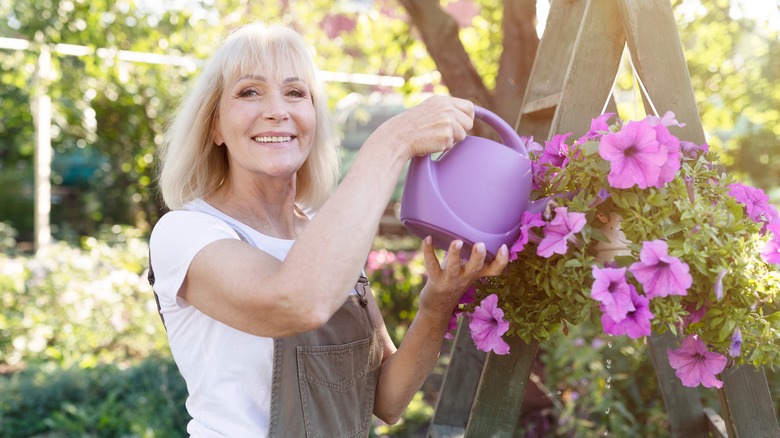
<point>273,139</point>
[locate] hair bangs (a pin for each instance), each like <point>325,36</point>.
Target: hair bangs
<point>276,49</point>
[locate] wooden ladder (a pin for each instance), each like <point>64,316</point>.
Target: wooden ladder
<point>570,84</point>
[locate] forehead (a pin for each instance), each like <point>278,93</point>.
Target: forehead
<point>271,61</point>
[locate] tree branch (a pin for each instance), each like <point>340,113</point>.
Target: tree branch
<point>517,58</point>
<point>439,32</point>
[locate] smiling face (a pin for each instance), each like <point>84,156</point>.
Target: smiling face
<point>267,123</point>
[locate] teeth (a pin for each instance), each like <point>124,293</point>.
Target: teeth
<point>272,139</point>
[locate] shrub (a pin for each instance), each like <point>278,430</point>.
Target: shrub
<point>79,306</point>
<point>145,400</point>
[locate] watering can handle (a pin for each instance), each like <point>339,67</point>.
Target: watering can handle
<point>507,134</point>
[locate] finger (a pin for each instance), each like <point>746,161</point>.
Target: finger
<point>429,256</point>
<point>464,117</point>
<point>465,106</point>
<point>477,259</point>
<point>496,267</point>
<point>452,260</point>
<point>458,133</point>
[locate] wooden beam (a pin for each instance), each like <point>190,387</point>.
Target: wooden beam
<point>657,54</point>
<point>683,405</point>
<point>746,403</point>
<point>499,400</point>
<point>459,386</point>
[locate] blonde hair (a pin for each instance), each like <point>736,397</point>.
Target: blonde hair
<point>192,166</point>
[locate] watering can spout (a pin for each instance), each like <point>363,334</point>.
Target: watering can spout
<point>538,206</point>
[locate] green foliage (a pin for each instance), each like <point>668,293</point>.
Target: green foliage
<point>734,62</point>
<point>79,306</point>
<point>397,274</point>
<point>145,400</point>
<point>416,417</point>
<point>601,384</point>
<point>17,201</point>
<point>703,226</point>
<point>83,351</point>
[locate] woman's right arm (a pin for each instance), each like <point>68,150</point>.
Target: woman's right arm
<point>254,292</point>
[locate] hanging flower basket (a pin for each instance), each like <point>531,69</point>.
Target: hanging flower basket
<point>644,233</point>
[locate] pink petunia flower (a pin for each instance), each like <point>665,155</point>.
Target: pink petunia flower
<point>636,323</point>
<point>452,326</point>
<point>468,297</point>
<point>659,273</point>
<point>559,231</point>
<point>694,314</point>
<point>635,156</point>
<point>487,325</point>
<point>756,204</point>
<point>612,290</point>
<point>668,119</point>
<point>555,154</point>
<point>672,164</point>
<point>692,150</point>
<point>771,251</point>
<point>528,221</point>
<point>533,148</point>
<point>556,151</point>
<point>598,127</point>
<point>695,365</point>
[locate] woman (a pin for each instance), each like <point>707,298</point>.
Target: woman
<point>266,317</point>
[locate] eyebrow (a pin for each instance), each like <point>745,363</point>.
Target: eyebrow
<point>263,78</point>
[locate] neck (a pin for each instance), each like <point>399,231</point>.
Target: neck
<point>269,209</point>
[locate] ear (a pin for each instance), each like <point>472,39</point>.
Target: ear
<point>217,137</point>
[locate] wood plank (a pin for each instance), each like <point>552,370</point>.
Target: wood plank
<point>499,400</point>
<point>683,405</point>
<point>657,54</point>
<point>550,65</point>
<point>715,423</point>
<point>460,384</point>
<point>555,48</point>
<point>545,105</point>
<point>748,407</point>
<point>441,431</point>
<point>594,64</point>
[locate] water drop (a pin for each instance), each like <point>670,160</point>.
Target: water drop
<point>607,411</point>
<point>609,344</point>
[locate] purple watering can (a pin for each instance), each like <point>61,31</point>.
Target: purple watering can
<point>477,191</point>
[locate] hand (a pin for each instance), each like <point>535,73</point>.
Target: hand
<point>448,280</point>
<point>434,125</point>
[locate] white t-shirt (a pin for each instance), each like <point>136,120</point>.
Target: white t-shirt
<point>228,372</point>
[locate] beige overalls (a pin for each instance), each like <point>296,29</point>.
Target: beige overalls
<point>324,380</point>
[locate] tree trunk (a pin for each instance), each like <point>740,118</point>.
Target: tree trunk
<point>439,32</point>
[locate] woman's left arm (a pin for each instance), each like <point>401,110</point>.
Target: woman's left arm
<point>404,370</point>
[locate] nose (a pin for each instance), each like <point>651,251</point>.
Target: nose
<point>275,109</point>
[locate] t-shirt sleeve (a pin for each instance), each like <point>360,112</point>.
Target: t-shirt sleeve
<point>177,237</point>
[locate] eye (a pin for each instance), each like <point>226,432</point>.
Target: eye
<point>248,92</point>
<point>297,93</point>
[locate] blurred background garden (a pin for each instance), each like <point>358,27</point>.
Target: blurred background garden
<point>82,349</point>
